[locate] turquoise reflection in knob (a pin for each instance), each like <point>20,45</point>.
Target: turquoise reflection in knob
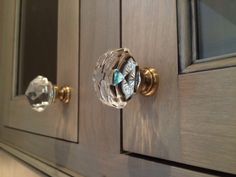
<point>117,77</point>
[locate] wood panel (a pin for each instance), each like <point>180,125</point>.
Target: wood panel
<point>59,120</point>
<point>150,124</point>
<point>207,112</point>
<point>192,118</point>
<point>99,125</point>
<point>96,164</point>
<point>98,152</point>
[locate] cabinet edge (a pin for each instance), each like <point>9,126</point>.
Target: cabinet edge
<point>40,164</point>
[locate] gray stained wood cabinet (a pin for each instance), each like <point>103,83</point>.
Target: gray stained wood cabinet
<point>59,121</point>
<point>187,129</point>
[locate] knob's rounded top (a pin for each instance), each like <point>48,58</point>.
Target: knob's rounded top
<point>116,77</point>
<point>40,93</point>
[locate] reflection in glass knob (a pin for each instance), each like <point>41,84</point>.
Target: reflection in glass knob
<point>41,93</point>
<point>117,77</point>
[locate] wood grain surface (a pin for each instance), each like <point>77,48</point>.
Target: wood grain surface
<point>153,126</point>
<point>60,120</point>
<point>150,124</point>
<point>192,118</point>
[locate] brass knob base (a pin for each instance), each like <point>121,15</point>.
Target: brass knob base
<point>149,81</point>
<point>63,93</point>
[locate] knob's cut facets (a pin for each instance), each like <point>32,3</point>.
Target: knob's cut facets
<point>40,93</point>
<point>116,77</point>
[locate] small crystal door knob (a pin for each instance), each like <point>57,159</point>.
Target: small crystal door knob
<point>41,93</point>
<point>117,77</point>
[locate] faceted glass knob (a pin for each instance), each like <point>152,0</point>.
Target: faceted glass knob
<point>41,93</point>
<point>117,77</point>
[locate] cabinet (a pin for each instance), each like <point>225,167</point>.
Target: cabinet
<point>26,42</point>
<point>192,118</point>
<point>177,132</point>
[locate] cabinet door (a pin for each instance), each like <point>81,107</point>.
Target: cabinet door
<point>152,126</point>
<point>192,118</point>
<point>42,39</point>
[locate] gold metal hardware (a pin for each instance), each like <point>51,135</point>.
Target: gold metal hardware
<point>63,93</point>
<point>149,81</point>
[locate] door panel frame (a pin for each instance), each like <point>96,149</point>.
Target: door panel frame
<point>58,121</point>
<point>191,120</point>
<point>99,150</point>
<point>187,39</point>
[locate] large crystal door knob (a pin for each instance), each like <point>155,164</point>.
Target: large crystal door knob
<point>117,77</point>
<point>41,93</point>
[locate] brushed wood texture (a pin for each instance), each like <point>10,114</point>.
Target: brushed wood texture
<point>11,167</point>
<point>89,163</point>
<point>99,125</point>
<point>98,151</point>
<point>59,120</point>
<point>207,112</point>
<point>151,124</point>
<point>192,118</point>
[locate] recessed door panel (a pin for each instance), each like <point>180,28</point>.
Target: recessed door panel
<point>192,117</point>
<point>43,40</point>
<point>152,40</point>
